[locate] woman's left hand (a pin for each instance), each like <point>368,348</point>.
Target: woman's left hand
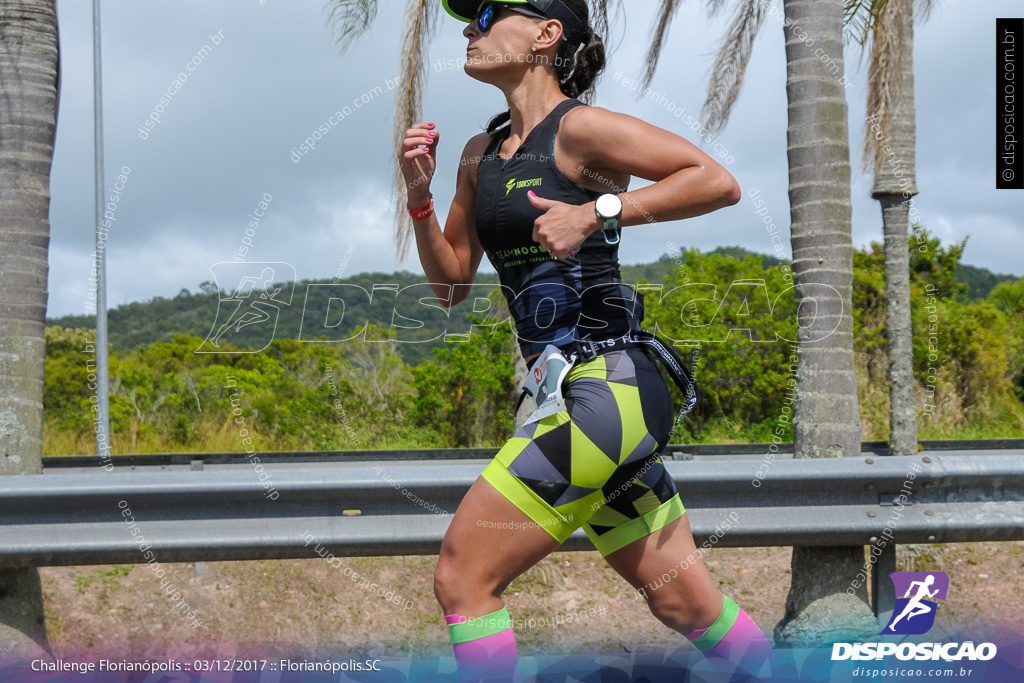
<point>563,227</point>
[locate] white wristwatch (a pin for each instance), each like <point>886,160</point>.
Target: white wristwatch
<point>609,209</point>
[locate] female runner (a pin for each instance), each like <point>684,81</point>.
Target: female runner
<point>526,195</point>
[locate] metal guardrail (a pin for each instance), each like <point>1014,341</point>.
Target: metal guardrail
<point>359,509</point>
<point>672,452</point>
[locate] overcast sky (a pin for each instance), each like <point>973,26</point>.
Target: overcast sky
<point>225,138</point>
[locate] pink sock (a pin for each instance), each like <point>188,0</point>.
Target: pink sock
<point>734,637</point>
<point>488,646</point>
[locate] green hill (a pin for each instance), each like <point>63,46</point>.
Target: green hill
<point>160,319</point>
<point>980,281</point>
<point>165,397</point>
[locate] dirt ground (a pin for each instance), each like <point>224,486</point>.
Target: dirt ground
<point>306,608</point>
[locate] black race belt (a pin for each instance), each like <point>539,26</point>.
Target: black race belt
<point>584,350</point>
<point>587,349</point>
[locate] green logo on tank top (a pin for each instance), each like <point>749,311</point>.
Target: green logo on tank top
<point>513,185</point>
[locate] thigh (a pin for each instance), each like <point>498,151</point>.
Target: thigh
<point>666,566</point>
<point>490,542</point>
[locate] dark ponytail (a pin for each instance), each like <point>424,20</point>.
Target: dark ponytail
<point>580,66</point>
<point>576,67</point>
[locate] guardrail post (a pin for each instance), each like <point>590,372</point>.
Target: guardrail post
<point>198,568</point>
<point>883,593</point>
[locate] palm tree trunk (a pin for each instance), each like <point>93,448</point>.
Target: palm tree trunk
<point>899,332</point>
<point>826,420</point>
<point>895,184</point>
<point>29,74</point>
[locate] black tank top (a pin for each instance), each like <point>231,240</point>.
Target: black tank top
<point>552,301</point>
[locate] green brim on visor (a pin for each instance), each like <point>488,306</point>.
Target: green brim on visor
<point>575,31</point>
<point>465,10</point>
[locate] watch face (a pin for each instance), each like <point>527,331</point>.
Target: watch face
<point>608,206</point>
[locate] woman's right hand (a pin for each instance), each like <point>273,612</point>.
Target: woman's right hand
<point>418,160</point>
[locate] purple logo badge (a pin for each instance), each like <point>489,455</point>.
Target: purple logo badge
<point>917,596</point>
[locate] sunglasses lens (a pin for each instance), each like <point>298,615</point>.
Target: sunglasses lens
<point>486,15</point>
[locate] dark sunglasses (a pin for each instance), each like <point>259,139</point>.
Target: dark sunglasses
<point>486,17</point>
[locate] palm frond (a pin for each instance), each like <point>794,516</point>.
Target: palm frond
<point>923,10</point>
<point>860,18</point>
<point>349,19</point>
<point>602,20</point>
<point>418,29</point>
<point>885,77</point>
<point>715,6</point>
<point>731,62</point>
<point>665,14</point>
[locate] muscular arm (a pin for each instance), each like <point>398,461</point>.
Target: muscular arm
<point>614,146</point>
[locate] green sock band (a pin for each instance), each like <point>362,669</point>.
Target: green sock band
<point>717,630</point>
<point>476,628</point>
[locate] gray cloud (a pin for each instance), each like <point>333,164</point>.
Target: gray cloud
<point>226,136</point>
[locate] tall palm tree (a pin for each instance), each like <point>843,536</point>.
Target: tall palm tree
<point>889,153</point>
<point>826,419</point>
<point>29,87</point>
<point>826,422</point>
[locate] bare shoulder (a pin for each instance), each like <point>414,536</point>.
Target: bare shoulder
<point>473,154</point>
<point>588,125</point>
<point>582,134</point>
<point>475,148</point>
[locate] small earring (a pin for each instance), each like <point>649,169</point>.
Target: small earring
<point>535,47</point>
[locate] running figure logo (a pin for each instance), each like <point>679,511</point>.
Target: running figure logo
<point>261,291</point>
<point>915,611</point>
